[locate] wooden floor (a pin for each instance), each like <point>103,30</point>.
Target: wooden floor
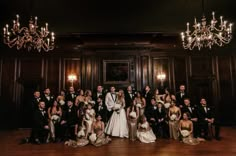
<point>120,147</point>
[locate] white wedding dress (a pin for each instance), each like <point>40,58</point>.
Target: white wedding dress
<point>117,125</point>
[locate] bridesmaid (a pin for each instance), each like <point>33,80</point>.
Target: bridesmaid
<point>98,138</point>
<point>140,103</point>
<point>54,114</point>
<point>158,96</point>
<point>174,117</point>
<point>132,117</point>
<point>168,98</point>
<point>186,130</point>
<point>80,98</point>
<point>145,133</point>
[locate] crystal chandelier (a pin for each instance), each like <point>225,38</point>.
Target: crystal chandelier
<point>206,35</point>
<point>28,37</point>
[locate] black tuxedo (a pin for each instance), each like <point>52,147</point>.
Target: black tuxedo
<point>101,110</point>
<point>202,115</point>
<point>96,94</point>
<point>151,112</point>
<point>70,116</point>
<point>193,114</point>
<point>180,98</point>
<point>48,100</point>
<point>40,119</point>
<point>148,96</point>
<point>129,97</point>
<point>71,97</point>
<point>162,125</point>
<point>34,103</point>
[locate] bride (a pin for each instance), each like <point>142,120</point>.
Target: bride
<point>117,125</point>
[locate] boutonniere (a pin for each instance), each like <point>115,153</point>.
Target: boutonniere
<point>69,110</point>
<point>44,112</point>
<point>193,108</point>
<point>208,108</point>
<point>51,97</point>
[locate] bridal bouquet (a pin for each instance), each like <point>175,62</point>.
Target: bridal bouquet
<point>139,105</point>
<point>167,105</point>
<point>117,107</point>
<point>133,115</point>
<point>173,117</point>
<point>184,133</point>
<point>93,137</point>
<point>55,118</point>
<point>62,102</point>
<point>87,117</point>
<point>81,133</point>
<point>144,126</point>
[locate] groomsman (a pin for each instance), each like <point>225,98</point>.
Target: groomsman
<point>40,129</point>
<point>148,96</point>
<point>47,98</point>
<point>98,93</point>
<point>68,122</point>
<point>206,118</point>
<point>71,96</point>
<point>193,115</point>
<point>180,96</point>
<point>35,100</point>
<point>152,116</point>
<point>101,109</point>
<point>162,127</point>
<point>129,96</point>
<point>110,101</point>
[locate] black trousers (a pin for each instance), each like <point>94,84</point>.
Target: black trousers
<point>39,134</point>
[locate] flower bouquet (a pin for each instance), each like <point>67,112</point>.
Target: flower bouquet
<point>184,133</point>
<point>133,115</point>
<point>55,118</point>
<point>173,117</point>
<point>93,137</point>
<point>139,105</point>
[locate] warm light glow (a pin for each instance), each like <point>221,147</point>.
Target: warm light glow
<point>161,76</point>
<point>28,37</point>
<point>72,77</point>
<point>207,35</point>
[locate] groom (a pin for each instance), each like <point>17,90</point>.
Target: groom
<point>110,101</point>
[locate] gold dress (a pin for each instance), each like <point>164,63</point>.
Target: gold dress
<point>101,139</point>
<point>188,139</point>
<point>132,123</point>
<point>140,105</point>
<point>173,125</point>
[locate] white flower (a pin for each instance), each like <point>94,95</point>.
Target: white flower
<point>173,117</point>
<point>167,105</point>
<point>139,105</point>
<point>81,133</point>
<point>185,133</point>
<point>133,115</point>
<point>55,118</point>
<point>93,137</point>
<point>144,125</point>
<point>117,106</point>
<point>92,102</point>
<point>87,117</point>
<point>62,102</point>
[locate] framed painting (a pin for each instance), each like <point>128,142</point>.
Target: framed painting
<point>116,71</point>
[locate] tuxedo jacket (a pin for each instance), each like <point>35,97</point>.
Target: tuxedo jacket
<point>161,114</point>
<point>96,94</point>
<point>148,96</point>
<point>193,113</point>
<point>179,99</point>
<point>40,119</point>
<point>129,97</point>
<point>70,115</point>
<point>102,111</point>
<point>110,101</point>
<point>71,97</point>
<point>34,103</point>
<point>202,114</point>
<point>151,113</point>
<point>48,102</point>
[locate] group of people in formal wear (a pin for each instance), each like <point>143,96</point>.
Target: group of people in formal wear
<point>83,117</point>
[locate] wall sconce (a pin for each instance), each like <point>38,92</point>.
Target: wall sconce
<point>161,77</point>
<point>72,78</point>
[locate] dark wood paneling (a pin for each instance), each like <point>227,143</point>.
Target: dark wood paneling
<point>71,66</point>
<point>144,71</point>
<point>180,71</point>
<point>161,65</point>
<point>201,66</point>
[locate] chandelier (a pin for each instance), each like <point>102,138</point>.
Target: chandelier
<point>207,34</point>
<point>28,37</point>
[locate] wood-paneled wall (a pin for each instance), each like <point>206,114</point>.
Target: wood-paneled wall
<point>210,75</point>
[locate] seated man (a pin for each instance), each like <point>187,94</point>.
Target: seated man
<point>40,129</point>
<point>206,118</point>
<point>152,116</point>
